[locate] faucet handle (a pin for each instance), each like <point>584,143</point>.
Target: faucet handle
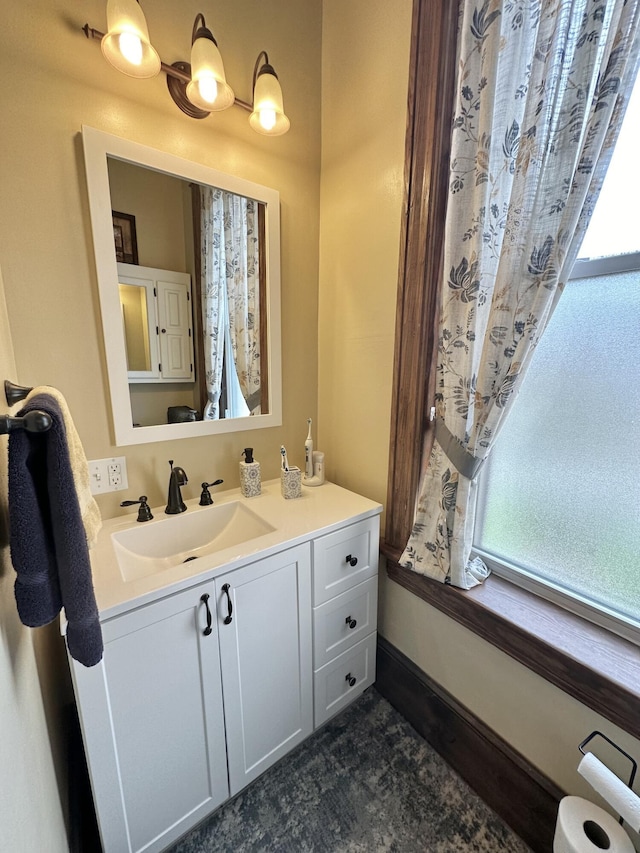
<point>205,497</point>
<point>144,513</point>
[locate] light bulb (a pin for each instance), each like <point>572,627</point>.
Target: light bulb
<point>268,118</point>
<point>268,112</point>
<point>126,44</point>
<point>208,89</point>
<point>131,47</point>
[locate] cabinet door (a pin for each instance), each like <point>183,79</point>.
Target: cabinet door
<point>265,652</point>
<point>153,724</point>
<point>138,304</point>
<point>174,317</point>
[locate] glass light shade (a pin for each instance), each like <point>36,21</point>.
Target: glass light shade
<point>126,45</point>
<point>208,89</point>
<point>268,111</point>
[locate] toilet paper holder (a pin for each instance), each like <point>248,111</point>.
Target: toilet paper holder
<point>634,764</point>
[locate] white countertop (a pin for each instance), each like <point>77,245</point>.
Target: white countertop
<point>319,510</point>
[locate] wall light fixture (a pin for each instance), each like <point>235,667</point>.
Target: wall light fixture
<point>198,88</point>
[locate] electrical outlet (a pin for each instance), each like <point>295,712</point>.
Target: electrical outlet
<point>108,475</point>
<point>114,473</point>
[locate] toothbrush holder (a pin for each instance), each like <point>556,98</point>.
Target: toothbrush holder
<point>291,483</point>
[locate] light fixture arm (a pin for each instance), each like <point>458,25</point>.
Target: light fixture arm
<point>201,30</point>
<point>175,71</point>
<point>265,68</point>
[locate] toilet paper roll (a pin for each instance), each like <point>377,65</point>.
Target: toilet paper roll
<point>612,789</point>
<point>583,827</point>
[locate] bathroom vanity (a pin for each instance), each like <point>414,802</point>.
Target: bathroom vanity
<point>231,632</point>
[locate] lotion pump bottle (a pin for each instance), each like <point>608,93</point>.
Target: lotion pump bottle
<point>250,481</point>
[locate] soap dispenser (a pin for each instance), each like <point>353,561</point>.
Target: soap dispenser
<point>250,483</point>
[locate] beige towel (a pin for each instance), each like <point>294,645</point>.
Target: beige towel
<point>91,518</point>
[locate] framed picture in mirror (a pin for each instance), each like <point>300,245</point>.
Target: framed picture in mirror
<point>124,237</point>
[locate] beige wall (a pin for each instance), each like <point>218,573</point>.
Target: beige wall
<point>156,200</point>
<point>365,63</point>
<point>365,72</point>
<point>54,81</point>
<point>31,813</point>
<point>45,242</point>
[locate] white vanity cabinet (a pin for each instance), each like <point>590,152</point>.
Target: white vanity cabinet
<point>345,598</point>
<point>217,667</point>
<point>163,747</point>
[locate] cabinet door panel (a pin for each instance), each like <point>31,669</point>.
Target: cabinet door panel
<point>175,324</point>
<point>161,678</point>
<point>266,661</point>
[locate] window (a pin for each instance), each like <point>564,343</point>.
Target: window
<point>559,500</point>
<point>590,663</point>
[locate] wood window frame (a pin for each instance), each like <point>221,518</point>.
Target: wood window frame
<point>589,663</point>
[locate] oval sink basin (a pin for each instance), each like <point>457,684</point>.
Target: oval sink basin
<point>159,545</point>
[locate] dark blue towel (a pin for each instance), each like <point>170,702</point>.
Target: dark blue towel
<point>47,537</point>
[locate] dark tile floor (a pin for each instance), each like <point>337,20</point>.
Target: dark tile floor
<point>365,783</point>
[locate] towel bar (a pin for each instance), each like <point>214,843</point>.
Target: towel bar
<point>35,421</point>
<point>14,393</point>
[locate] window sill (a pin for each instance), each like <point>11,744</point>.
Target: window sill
<point>596,667</point>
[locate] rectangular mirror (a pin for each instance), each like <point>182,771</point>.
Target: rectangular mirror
<point>192,330</point>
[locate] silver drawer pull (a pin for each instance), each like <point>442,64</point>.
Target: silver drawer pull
<point>353,561</point>
<point>350,622</point>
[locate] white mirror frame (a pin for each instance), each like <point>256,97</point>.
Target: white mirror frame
<point>98,146</point>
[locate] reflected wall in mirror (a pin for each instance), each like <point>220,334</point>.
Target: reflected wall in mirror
<point>136,319</point>
<point>192,332</point>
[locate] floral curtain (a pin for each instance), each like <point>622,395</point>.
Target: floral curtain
<point>213,283</point>
<point>243,292</point>
<point>230,293</point>
<point>541,91</point>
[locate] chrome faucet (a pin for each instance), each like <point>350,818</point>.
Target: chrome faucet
<point>178,478</point>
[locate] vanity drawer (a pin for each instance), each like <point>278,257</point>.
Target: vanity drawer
<point>345,558</point>
<point>338,682</point>
<point>343,621</point>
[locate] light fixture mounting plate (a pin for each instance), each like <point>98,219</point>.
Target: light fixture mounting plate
<point>178,91</point>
